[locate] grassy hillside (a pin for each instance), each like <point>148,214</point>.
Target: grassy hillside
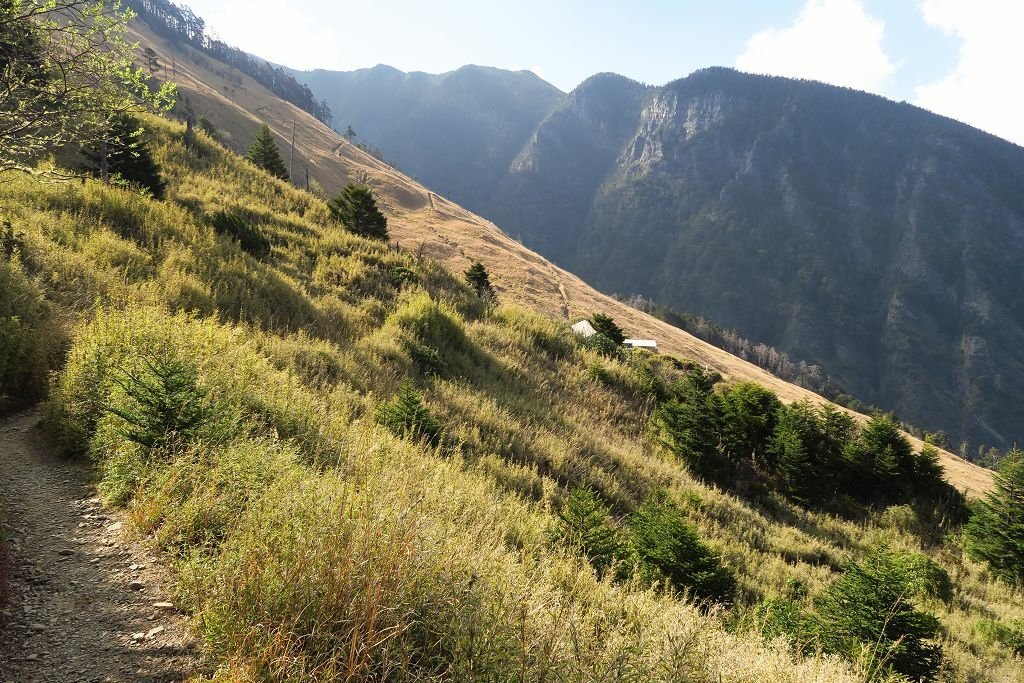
<point>422,221</point>
<point>311,542</point>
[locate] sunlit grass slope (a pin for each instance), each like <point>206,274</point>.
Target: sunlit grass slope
<point>311,543</point>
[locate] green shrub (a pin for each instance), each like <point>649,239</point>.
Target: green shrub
<point>867,614</point>
<point>11,242</point>
<point>603,345</point>
<point>400,276</point>
<point>30,341</point>
<point>665,546</point>
<point>1009,635</point>
<point>925,577</point>
<point>160,405</point>
<point>597,371</point>
<point>234,226</point>
<point>407,417</point>
<point>585,523</point>
<point>427,359</point>
<point>431,323</point>
<point>650,383</point>
<point>778,616</point>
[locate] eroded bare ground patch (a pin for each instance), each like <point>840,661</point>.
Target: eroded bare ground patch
<point>85,603</point>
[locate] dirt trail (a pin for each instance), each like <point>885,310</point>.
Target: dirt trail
<point>84,603</point>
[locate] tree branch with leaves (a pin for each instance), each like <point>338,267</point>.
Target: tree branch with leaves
<point>67,74</point>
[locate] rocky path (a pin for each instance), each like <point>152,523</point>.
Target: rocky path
<point>83,603</point>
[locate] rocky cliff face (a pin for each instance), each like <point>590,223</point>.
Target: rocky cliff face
<point>873,238</point>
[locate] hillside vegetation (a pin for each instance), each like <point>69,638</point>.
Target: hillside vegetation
<point>361,470</point>
<point>435,227</point>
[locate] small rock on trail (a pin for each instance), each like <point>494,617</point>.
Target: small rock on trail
<point>70,610</point>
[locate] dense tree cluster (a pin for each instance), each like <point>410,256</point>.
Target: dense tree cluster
<point>180,23</point>
<point>815,455</point>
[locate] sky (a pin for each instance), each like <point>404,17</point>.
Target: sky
<point>959,58</point>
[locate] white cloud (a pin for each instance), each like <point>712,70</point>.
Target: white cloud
<point>834,41</point>
<point>276,30</point>
<point>982,88</point>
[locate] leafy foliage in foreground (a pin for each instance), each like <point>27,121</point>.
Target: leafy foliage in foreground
<point>30,342</point>
<point>58,87</point>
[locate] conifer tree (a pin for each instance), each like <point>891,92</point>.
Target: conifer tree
<point>748,421</point>
<point>792,458</point>
<point>868,609</point>
<point>586,523</point>
<point>406,416</point>
<point>665,545</point>
<point>356,209</point>
<point>995,532</point>
<point>604,324</point>
<point>689,423</point>
<point>127,155</point>
<point>480,281</point>
<point>162,405</point>
<point>264,153</point>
